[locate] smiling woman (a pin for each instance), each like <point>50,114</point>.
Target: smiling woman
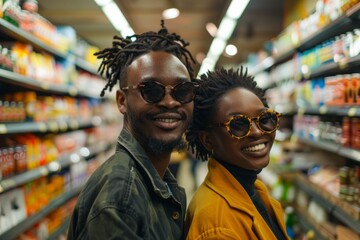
<point>234,129</point>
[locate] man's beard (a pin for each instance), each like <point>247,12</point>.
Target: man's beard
<point>157,146</point>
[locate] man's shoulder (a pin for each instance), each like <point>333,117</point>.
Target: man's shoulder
<point>115,170</point>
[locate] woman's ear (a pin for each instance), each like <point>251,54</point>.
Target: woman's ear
<point>206,140</point>
<point>121,101</point>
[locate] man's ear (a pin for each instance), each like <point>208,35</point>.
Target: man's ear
<point>121,101</point>
<point>206,140</point>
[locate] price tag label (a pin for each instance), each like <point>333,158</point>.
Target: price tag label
<point>352,112</point>
<point>297,76</point>
<point>54,127</point>
<point>301,111</point>
<point>45,85</point>
<point>8,183</point>
<point>74,124</point>
<point>343,63</point>
<point>63,126</point>
<point>42,127</point>
<point>3,129</point>
<point>293,138</point>
<point>307,74</point>
<point>44,171</point>
<point>73,91</point>
<point>323,110</point>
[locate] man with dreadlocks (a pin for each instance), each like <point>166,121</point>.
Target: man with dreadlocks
<point>133,195</point>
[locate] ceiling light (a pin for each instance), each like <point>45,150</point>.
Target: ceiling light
<point>226,29</point>
<point>170,13</point>
<point>102,2</point>
<point>116,17</point>
<point>231,50</point>
<point>212,29</point>
<point>236,8</point>
<point>127,31</point>
<point>206,65</point>
<point>216,48</point>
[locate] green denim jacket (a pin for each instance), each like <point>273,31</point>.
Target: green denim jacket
<point>125,198</point>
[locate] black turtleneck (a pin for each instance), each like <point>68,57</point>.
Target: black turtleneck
<point>247,179</point>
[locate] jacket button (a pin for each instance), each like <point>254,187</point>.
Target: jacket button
<point>175,215</point>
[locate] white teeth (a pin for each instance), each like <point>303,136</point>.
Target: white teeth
<point>255,148</point>
<point>167,120</point>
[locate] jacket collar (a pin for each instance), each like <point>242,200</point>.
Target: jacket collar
<point>219,177</point>
<point>133,147</point>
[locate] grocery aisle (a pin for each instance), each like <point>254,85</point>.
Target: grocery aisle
<point>312,78</point>
<point>54,128</point>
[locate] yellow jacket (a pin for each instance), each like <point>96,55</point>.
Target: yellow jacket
<point>222,209</point>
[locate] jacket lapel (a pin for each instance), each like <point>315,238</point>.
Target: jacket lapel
<point>222,182</point>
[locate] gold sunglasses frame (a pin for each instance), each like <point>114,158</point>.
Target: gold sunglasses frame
<point>255,119</point>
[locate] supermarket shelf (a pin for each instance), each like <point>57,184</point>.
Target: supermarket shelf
<point>63,162</point>
<point>333,68</point>
<point>342,111</point>
<point>306,224</point>
<point>354,12</point>
<point>18,34</point>
<point>30,221</point>
<point>334,148</point>
<point>265,64</point>
<point>21,35</point>
<point>328,146</point>
<point>52,126</point>
<point>23,81</point>
<point>60,230</point>
<point>340,25</point>
<point>86,66</point>
<point>330,204</point>
<point>283,57</point>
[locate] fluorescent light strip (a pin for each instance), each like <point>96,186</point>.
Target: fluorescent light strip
<point>226,29</point>
<point>217,47</point>
<point>116,17</point>
<point>102,2</point>
<point>236,8</point>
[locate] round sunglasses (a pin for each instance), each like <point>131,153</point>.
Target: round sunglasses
<point>154,92</point>
<point>239,126</point>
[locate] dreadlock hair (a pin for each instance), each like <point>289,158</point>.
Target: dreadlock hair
<point>213,85</point>
<point>124,50</point>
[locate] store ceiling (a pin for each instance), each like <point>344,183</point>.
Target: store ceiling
<point>261,21</point>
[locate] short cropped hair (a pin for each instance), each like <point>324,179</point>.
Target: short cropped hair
<point>213,85</point>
